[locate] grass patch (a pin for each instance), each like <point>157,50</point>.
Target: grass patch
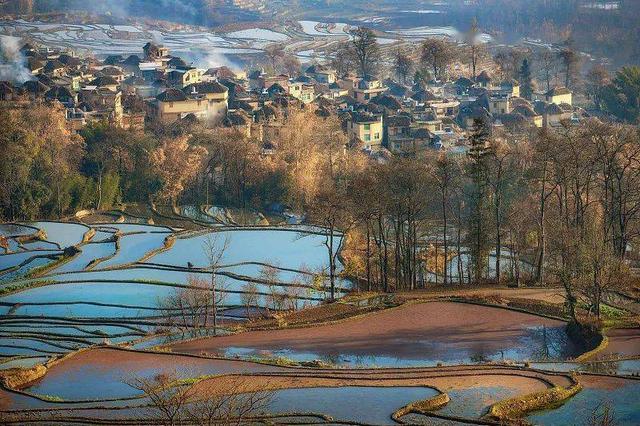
<point>422,407</point>
<point>13,288</point>
<point>518,407</point>
<point>50,398</point>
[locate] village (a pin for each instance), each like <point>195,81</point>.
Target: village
<point>380,117</point>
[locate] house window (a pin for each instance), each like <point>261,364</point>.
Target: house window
<point>376,136</point>
<point>367,127</point>
<point>366,96</point>
<point>170,104</point>
<point>367,137</point>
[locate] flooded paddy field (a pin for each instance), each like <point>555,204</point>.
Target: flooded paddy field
<point>306,38</point>
<point>618,395</point>
<point>344,403</point>
<point>99,292</point>
<point>420,334</point>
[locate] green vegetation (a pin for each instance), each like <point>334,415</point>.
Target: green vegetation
<point>518,407</point>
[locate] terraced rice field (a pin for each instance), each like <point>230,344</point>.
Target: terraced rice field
<point>121,273</point>
<point>96,317</point>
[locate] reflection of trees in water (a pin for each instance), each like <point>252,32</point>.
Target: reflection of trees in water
<point>479,356</point>
<point>605,367</point>
<point>332,359</point>
<point>549,343</point>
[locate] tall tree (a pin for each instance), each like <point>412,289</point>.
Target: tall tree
<point>570,60</point>
<point>547,63</point>
<point>526,87</point>
<point>275,54</point>
<point>342,59</point>
<point>366,50</point>
<point>176,162</point>
<point>446,173</point>
<point>597,79</point>
<point>622,96</point>
<point>478,234</point>
<point>477,50</point>
<point>403,65</point>
<point>437,55</point>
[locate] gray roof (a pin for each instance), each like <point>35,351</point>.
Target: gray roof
<point>171,95</point>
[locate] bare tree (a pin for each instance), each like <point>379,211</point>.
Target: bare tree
<point>342,59</point>
<point>249,296</point>
<point>190,308</point>
<point>270,275</point>
<point>366,50</point>
<point>403,65</point>
<point>597,79</point>
<point>437,55</point>
<point>291,65</point>
<point>174,402</point>
<point>445,173</point>
<point>477,50</point>
<point>232,404</point>
<point>214,251</point>
<point>546,64</point>
<point>330,210</point>
<point>168,400</point>
<point>570,65</point>
<point>275,54</point>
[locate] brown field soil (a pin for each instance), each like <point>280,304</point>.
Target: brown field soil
<point>622,341</point>
<point>95,370</point>
<point>131,361</point>
<point>604,382</point>
<point>444,378</point>
<point>407,331</point>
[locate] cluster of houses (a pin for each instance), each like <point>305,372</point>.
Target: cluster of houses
<point>380,117</point>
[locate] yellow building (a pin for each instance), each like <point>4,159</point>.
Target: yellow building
<point>367,90</point>
<point>303,92</point>
<point>366,130</point>
<point>559,95</point>
<point>207,101</point>
<point>184,77</point>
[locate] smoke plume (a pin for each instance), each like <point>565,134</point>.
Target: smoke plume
<point>12,62</point>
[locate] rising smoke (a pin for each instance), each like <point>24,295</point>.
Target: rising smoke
<point>12,62</point>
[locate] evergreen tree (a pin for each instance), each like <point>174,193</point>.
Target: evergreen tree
<point>479,212</point>
<point>526,89</point>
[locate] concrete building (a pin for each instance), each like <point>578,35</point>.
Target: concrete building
<point>206,101</point>
<point>366,130</point>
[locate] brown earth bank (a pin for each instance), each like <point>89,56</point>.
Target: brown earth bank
<point>430,329</point>
<point>553,295</point>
